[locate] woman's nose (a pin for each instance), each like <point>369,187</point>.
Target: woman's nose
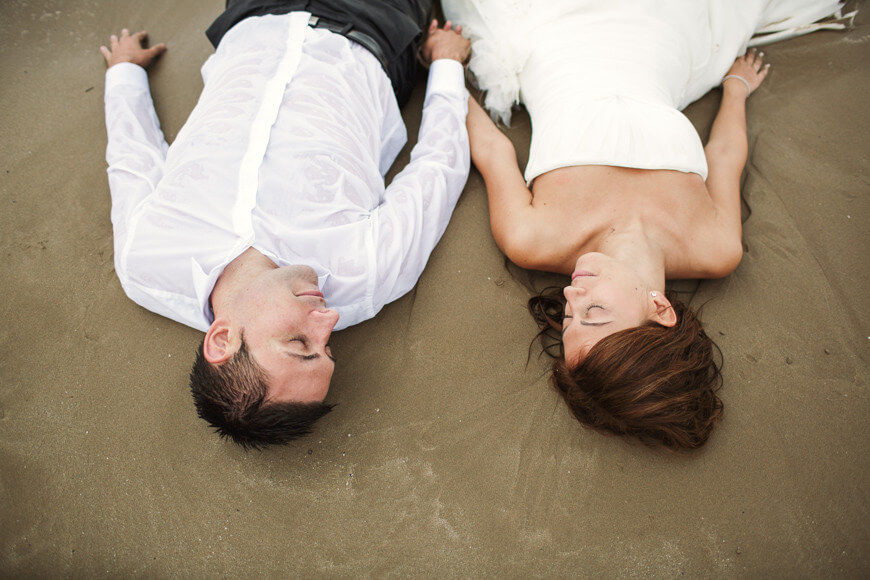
<point>573,292</point>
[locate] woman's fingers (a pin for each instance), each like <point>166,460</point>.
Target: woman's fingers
<point>447,27</point>
<point>754,59</point>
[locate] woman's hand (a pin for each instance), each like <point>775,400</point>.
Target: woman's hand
<point>129,48</point>
<point>446,42</point>
<point>748,68</point>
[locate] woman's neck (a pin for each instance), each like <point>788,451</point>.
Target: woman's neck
<point>635,246</point>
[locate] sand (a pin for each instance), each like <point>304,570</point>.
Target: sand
<point>447,454</point>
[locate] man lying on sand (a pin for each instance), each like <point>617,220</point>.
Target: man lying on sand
<point>271,202</point>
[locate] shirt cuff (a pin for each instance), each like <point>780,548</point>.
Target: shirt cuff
<point>446,77</point>
<point>126,73</point>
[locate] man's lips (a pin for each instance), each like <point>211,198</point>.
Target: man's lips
<point>579,273</point>
<point>316,293</point>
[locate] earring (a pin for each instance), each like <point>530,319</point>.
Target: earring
<point>654,293</point>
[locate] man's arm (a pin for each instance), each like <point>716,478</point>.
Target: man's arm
<point>136,149</point>
<point>419,202</point>
<point>727,147</point>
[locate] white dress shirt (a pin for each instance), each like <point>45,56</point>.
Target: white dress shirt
<point>285,152</point>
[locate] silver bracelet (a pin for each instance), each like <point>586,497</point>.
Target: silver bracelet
<point>743,80</point>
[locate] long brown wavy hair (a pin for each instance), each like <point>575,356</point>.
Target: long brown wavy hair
<point>651,382</point>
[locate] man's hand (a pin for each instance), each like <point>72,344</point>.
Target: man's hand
<point>446,42</point>
<point>130,48</point>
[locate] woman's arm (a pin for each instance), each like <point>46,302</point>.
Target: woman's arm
<point>727,148</point>
<point>511,213</point>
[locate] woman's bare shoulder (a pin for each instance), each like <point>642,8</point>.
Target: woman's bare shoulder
<point>573,207</point>
<point>705,245</point>
<point>542,242</point>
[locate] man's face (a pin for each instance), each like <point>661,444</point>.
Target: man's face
<point>287,327</point>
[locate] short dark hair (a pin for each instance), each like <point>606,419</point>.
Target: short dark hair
<point>231,396</point>
<point>655,383</point>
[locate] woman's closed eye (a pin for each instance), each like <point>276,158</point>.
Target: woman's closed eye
<point>595,315</point>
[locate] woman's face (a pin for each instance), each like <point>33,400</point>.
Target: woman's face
<point>605,296</point>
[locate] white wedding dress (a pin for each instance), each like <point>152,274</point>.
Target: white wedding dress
<point>604,80</point>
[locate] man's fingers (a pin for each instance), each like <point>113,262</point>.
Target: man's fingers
<point>433,25</point>
<point>113,40</point>
<point>141,36</point>
<point>106,53</point>
<point>124,32</point>
<point>459,29</point>
<point>157,50</point>
<point>447,25</point>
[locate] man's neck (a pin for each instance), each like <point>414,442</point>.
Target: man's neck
<point>238,273</point>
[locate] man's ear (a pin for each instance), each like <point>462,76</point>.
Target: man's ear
<point>663,311</point>
<point>217,346</point>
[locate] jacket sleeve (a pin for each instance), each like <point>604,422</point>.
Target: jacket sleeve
<point>136,150</point>
<point>420,200</point>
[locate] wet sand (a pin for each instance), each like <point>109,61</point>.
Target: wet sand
<point>447,454</point>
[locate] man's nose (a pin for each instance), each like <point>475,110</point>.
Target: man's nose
<point>326,319</point>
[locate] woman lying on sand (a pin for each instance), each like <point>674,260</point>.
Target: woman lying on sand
<point>619,191</point>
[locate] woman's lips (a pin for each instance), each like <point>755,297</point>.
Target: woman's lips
<point>579,273</point>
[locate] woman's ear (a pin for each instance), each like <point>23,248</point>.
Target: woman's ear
<point>663,312</point>
<point>217,347</point>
